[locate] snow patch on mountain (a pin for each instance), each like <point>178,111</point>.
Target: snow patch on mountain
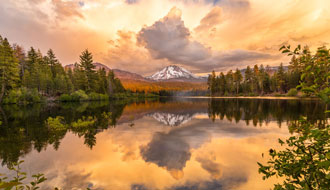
<point>173,72</point>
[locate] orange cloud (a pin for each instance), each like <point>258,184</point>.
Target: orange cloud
<point>124,53</point>
<point>65,9</point>
<point>214,34</point>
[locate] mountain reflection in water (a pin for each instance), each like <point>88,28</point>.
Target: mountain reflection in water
<point>173,144</point>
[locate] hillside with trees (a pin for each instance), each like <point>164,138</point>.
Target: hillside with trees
<point>27,77</point>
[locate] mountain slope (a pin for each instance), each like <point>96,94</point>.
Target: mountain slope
<point>172,73</point>
<point>125,75</point>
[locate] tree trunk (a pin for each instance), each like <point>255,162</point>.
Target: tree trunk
<point>4,116</point>
<point>110,87</point>
<point>2,91</point>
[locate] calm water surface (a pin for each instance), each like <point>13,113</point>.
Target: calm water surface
<point>168,144</point>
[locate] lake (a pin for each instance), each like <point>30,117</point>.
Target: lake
<point>178,143</point>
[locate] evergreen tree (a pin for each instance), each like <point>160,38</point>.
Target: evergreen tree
<point>115,85</point>
<point>280,79</point>
<point>230,82</point>
<point>263,79</point>
<point>102,83</point>
<point>21,57</point>
<point>212,83</point>
<point>222,83</point>
<point>80,78</point>
<point>88,68</point>
<point>111,78</point>
<point>248,79</point>
<point>32,59</point>
<point>9,77</point>
<point>51,60</point>
<point>34,64</point>
<point>237,79</point>
<point>255,82</point>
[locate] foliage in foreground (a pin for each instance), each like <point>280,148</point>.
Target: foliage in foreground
<point>18,182</point>
<point>305,161</point>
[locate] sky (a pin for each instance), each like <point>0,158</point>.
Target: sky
<point>143,36</point>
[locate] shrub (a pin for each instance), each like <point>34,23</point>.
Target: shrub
<point>13,97</point>
<point>65,98</point>
<point>292,92</point>
<point>277,95</point>
<point>93,96</point>
<point>30,96</point>
<point>304,95</point>
<point>104,97</point>
<point>79,95</point>
<point>97,96</point>
<point>22,96</point>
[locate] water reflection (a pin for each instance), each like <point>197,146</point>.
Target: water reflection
<point>173,144</point>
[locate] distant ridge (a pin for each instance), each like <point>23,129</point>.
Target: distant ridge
<point>122,75</point>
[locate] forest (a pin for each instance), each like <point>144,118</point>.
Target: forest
<point>27,77</point>
<point>258,80</point>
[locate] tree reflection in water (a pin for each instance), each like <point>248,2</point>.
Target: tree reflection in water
<point>25,128</point>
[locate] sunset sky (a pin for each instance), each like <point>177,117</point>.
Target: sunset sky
<point>142,36</point>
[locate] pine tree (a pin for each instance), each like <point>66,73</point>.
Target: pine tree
<point>248,79</point>
<point>34,63</point>
<point>255,82</point>
<point>86,63</point>
<point>212,83</point>
<point>222,83</point>
<point>79,78</point>
<point>280,79</point>
<point>102,83</point>
<point>230,82</point>
<point>9,77</point>
<point>114,83</point>
<point>237,79</point>
<point>52,61</point>
<point>21,57</point>
<point>262,77</point>
<point>32,59</point>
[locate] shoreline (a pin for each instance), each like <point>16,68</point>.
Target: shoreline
<point>251,97</point>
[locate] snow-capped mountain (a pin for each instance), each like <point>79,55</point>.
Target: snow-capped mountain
<point>173,72</point>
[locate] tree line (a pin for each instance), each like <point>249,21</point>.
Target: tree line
<point>25,76</point>
<point>258,80</point>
